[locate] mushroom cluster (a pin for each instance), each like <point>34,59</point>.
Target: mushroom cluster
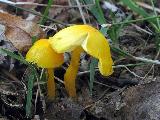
<point>75,39</point>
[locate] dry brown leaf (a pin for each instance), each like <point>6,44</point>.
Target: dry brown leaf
<point>20,31</point>
<point>19,38</point>
<point>30,27</point>
<point>5,44</point>
<point>58,12</point>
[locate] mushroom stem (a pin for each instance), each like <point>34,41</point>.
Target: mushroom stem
<point>71,72</point>
<point>50,84</point>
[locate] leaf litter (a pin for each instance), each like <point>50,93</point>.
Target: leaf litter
<point>121,96</point>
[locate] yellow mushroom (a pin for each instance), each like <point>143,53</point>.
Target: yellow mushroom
<point>92,41</point>
<point>42,54</point>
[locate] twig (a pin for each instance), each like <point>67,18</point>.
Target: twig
<point>141,29</point>
<point>131,21</point>
<point>38,90</point>
<point>81,12</point>
<point>152,67</point>
<point>147,60</point>
<point>117,66</point>
<point>44,5</point>
<point>59,79</point>
<point>142,59</point>
<point>10,75</point>
<point>62,6</point>
<point>133,73</point>
<point>35,102</point>
<point>113,87</point>
<point>148,6</point>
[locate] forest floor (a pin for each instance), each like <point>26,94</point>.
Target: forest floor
<point>132,92</point>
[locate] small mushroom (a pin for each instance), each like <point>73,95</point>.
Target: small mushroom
<point>42,54</point>
<point>75,38</point>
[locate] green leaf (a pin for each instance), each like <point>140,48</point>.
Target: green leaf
<point>114,31</point>
<point>30,78</point>
<point>15,56</point>
<point>43,19</point>
<point>34,39</point>
<point>98,13</point>
<point>137,20</point>
<point>96,10</point>
<point>92,74</point>
<point>133,6</point>
<point>120,51</point>
<point>155,13</point>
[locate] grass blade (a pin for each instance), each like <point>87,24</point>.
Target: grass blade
<point>30,79</point>
<point>15,56</point>
<point>155,13</point>
<point>43,19</point>
<point>96,11</point>
<point>92,74</point>
<point>114,31</point>
<point>132,5</point>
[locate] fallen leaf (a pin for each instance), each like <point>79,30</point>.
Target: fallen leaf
<point>5,44</point>
<point>57,12</point>
<point>30,27</point>
<point>20,31</point>
<point>19,38</point>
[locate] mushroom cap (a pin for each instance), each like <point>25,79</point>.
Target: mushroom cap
<point>42,54</point>
<point>92,41</point>
<point>69,38</point>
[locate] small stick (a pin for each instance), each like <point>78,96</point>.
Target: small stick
<point>148,6</point>
<point>44,5</point>
<point>81,12</point>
